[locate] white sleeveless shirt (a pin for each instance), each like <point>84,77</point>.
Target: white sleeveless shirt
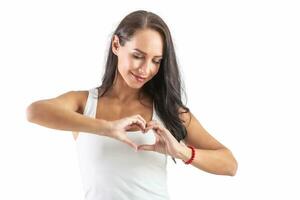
<point>112,170</point>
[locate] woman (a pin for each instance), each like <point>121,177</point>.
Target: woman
<point>125,128</point>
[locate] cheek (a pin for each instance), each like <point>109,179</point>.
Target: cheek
<point>154,70</point>
<point>124,64</point>
<point>130,63</point>
<point>134,63</point>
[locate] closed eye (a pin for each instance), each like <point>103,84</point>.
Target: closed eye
<point>157,62</point>
<point>138,57</point>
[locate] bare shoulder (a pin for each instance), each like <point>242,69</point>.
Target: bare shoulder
<point>74,100</point>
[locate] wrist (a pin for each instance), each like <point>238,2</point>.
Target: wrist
<point>185,153</point>
<point>104,127</point>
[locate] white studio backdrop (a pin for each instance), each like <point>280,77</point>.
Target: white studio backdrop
<point>240,63</point>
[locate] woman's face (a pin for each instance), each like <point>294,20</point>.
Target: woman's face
<point>139,59</point>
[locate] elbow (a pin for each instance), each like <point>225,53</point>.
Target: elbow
<point>30,112</point>
<point>232,164</point>
<point>233,168</point>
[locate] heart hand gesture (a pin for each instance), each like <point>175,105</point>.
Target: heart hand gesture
<point>117,129</point>
<point>165,142</point>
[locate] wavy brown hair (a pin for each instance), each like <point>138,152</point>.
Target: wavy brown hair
<point>165,88</point>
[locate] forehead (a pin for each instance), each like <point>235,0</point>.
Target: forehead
<point>148,41</point>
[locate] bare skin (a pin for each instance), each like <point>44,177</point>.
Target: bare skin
<point>109,110</point>
<point>116,107</point>
<point>131,60</point>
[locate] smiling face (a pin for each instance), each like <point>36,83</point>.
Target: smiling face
<point>139,59</point>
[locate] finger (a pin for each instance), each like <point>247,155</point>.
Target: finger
<point>138,118</point>
<point>138,122</point>
<point>158,138</point>
<point>149,127</point>
<point>158,127</point>
<point>141,124</point>
<point>154,122</point>
<point>144,123</point>
<point>158,132</point>
<point>151,122</point>
<point>146,147</point>
<point>141,118</point>
<point>155,127</point>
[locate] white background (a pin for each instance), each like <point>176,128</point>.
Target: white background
<point>240,63</point>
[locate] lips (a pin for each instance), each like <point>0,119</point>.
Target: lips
<point>138,78</point>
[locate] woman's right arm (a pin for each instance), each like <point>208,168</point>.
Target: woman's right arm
<point>61,113</point>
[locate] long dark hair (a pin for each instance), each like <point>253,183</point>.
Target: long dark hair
<point>166,86</point>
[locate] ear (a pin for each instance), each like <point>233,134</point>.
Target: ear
<point>115,46</point>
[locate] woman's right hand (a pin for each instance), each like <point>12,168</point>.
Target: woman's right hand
<point>117,129</point>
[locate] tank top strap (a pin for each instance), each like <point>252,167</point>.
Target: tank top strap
<point>91,103</point>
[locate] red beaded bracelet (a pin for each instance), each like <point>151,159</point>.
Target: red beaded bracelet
<point>192,157</point>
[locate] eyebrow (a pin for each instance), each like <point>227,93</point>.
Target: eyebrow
<point>144,52</point>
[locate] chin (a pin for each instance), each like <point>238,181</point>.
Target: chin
<point>135,86</point>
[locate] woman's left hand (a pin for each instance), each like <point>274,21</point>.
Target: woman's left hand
<point>165,142</point>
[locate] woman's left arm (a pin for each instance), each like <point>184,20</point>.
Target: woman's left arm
<point>210,155</point>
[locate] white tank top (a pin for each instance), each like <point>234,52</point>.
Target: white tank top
<point>112,170</point>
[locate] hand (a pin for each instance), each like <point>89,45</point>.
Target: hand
<point>165,142</point>
<point>117,129</point>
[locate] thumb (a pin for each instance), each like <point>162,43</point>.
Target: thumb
<point>146,147</point>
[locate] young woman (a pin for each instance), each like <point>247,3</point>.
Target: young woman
<point>125,128</point>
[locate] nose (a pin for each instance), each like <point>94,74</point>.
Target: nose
<point>145,68</point>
